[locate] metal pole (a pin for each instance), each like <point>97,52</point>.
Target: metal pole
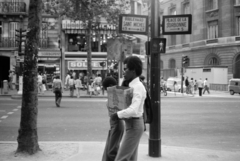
<point>154,137</point>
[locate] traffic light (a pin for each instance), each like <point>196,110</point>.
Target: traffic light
<point>158,45</point>
<point>20,35</point>
<point>147,47</point>
<point>185,60</point>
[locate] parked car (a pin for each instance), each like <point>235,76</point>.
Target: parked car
<point>170,82</point>
<point>234,86</point>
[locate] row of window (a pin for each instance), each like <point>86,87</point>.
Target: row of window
<point>212,26</point>
<point>8,29</point>
<point>172,63</point>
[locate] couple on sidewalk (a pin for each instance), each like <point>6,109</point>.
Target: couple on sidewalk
<point>130,132</point>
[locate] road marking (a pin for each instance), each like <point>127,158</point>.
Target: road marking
<point>9,104</point>
<point>9,113</point>
<point>4,117</point>
<point>77,100</point>
<point>15,109</point>
<point>19,106</point>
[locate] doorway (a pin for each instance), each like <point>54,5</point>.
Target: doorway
<point>237,67</point>
<point>4,69</point>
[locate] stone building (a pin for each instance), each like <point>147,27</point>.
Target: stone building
<point>14,16</point>
<point>215,39</point>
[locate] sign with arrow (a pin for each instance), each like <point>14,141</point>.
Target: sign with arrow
<point>133,24</point>
<point>177,24</point>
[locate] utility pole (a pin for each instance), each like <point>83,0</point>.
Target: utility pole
<point>155,130</point>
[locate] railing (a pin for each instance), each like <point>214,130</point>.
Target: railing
<point>12,7</point>
<point>8,42</point>
<point>219,87</point>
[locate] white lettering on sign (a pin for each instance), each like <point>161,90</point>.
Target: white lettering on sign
<point>135,24</point>
<point>176,24</point>
<point>82,64</point>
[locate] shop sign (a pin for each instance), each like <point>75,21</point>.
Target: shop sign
<point>69,24</point>
<point>49,54</point>
<point>83,65</point>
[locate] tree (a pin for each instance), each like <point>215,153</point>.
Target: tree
<point>28,137</point>
<point>90,13</point>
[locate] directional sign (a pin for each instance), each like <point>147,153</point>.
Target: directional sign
<point>133,24</point>
<point>177,24</point>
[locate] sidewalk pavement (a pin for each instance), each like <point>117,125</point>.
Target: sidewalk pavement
<point>83,94</point>
<point>93,152</point>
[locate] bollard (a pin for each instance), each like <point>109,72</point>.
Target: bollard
<point>5,87</point>
<point>20,85</point>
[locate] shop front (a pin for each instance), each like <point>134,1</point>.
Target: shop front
<point>49,62</point>
<point>80,67</point>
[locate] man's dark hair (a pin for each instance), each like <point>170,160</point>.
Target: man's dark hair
<point>108,82</point>
<point>142,78</point>
<point>57,76</point>
<point>134,63</point>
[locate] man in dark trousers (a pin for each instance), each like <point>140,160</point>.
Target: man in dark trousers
<point>187,86</point>
<point>116,129</point>
<point>57,89</point>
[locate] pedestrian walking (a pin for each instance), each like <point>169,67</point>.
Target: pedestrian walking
<point>116,129</point>
<point>57,90</point>
<point>195,86</point>
<point>10,79</point>
<point>133,115</point>
<point>175,87</point>
<point>191,86</point>
<point>97,84</point>
<point>91,87</point>
<point>67,81</point>
<point>200,86</point>
<point>78,85</point>
<point>187,85</point>
<point>206,86</point>
<point>39,81</point>
<point>71,86</point>
<point>85,84</point>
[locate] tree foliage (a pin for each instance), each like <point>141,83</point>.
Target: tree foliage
<point>90,13</point>
<point>87,10</point>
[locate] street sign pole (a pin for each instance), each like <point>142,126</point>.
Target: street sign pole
<point>155,130</point>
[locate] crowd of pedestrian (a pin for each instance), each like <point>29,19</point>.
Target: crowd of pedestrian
<point>193,85</point>
<point>42,83</point>
<point>81,82</point>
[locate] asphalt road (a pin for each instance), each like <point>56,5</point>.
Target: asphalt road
<point>200,122</point>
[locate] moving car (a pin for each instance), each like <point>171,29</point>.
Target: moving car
<point>234,86</point>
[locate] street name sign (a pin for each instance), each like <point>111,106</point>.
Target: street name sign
<point>133,24</point>
<point>177,24</point>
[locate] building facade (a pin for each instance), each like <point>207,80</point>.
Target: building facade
<point>14,16</point>
<point>215,39</point>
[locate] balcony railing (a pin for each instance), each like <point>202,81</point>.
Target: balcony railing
<point>12,7</point>
<point>10,42</point>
